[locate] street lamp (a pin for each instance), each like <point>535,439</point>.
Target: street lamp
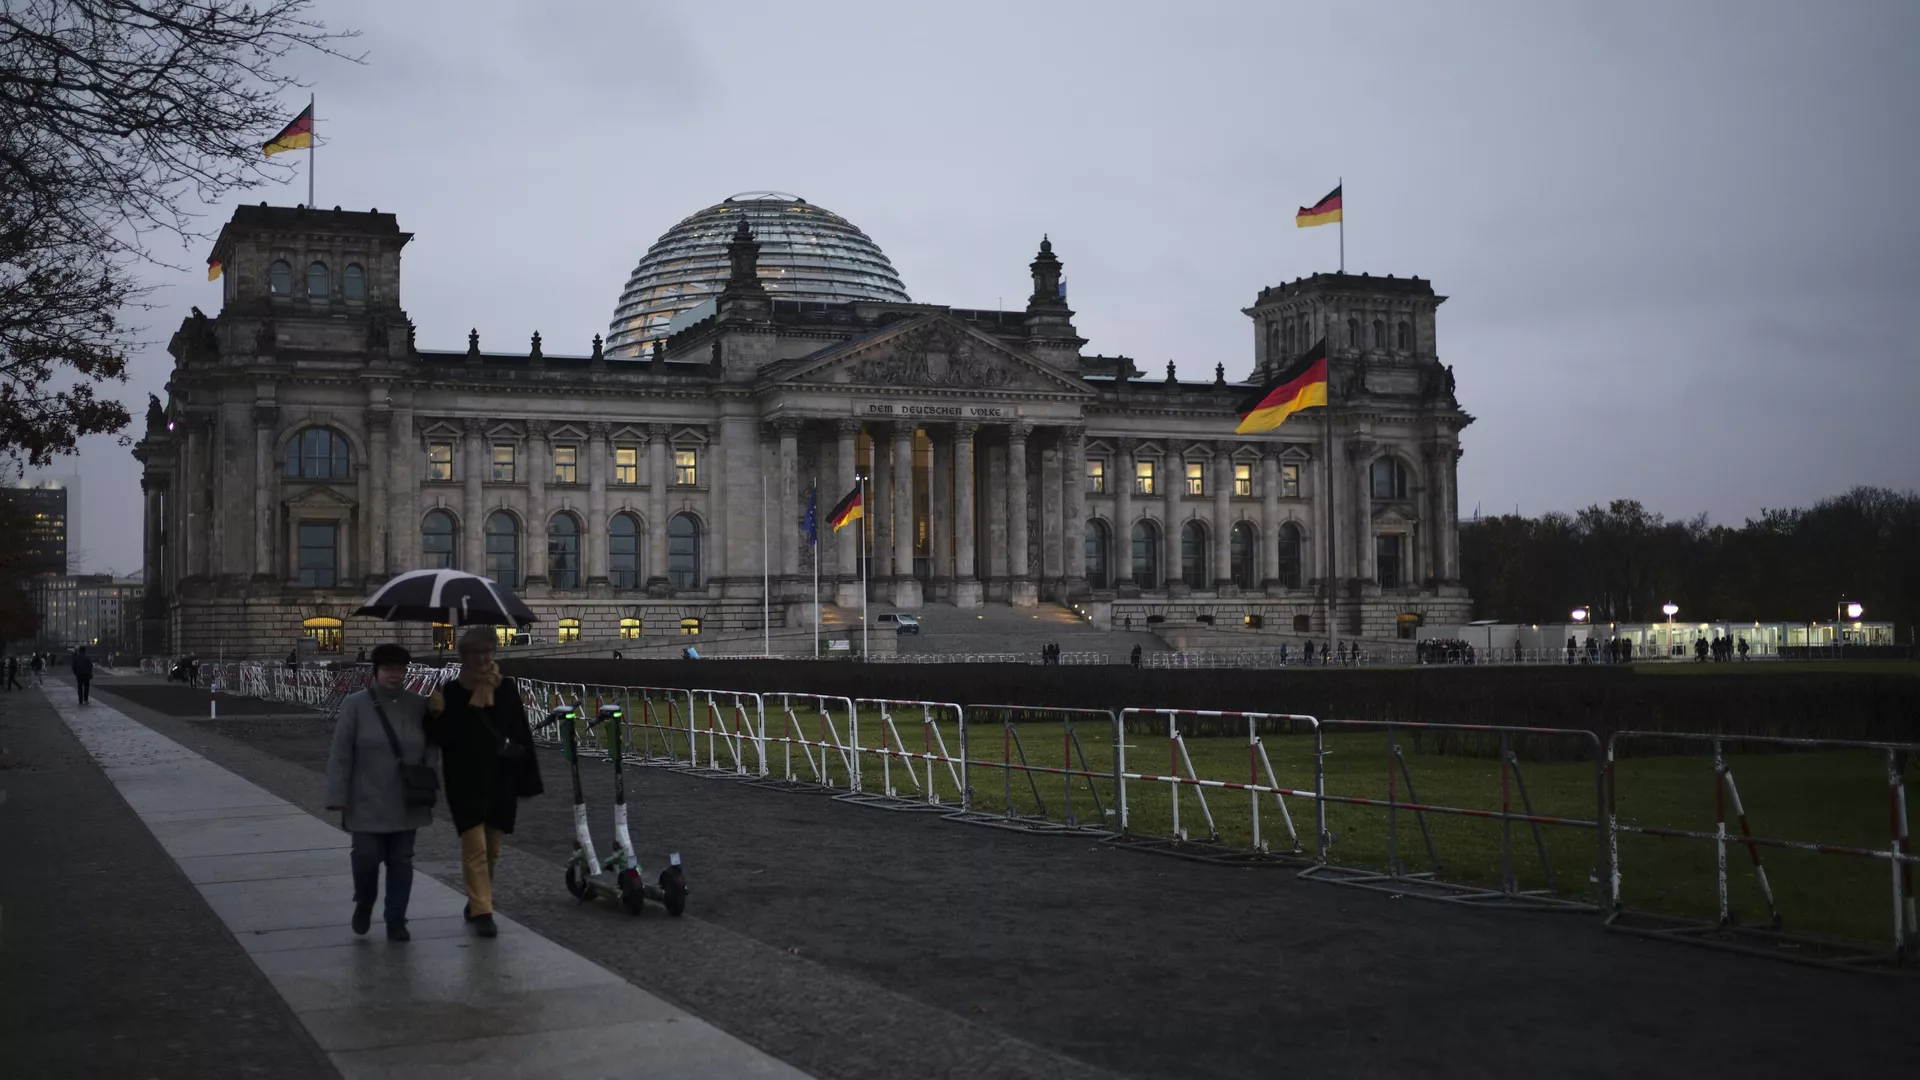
<point>1847,610</point>
<point>1671,609</point>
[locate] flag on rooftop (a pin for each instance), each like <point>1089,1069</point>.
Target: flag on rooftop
<point>295,136</point>
<point>1324,212</point>
<point>214,268</point>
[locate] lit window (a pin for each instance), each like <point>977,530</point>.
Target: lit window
<point>1243,480</point>
<point>503,463</point>
<point>690,626</point>
<point>626,465</point>
<point>327,633</point>
<point>629,629</point>
<point>1143,478</point>
<point>443,636</point>
<point>353,284</point>
<point>319,283</point>
<point>1196,478</point>
<point>319,554</point>
<point>440,461</point>
<point>566,464</point>
<point>1096,476</point>
<point>1289,481</point>
<point>685,472</point>
<point>568,630</point>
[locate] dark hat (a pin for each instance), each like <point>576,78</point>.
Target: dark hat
<point>389,655</point>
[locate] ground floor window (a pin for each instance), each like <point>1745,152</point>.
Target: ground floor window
<point>629,629</point>
<point>690,626</point>
<point>326,633</point>
<point>1407,625</point>
<point>569,630</point>
<point>443,637</point>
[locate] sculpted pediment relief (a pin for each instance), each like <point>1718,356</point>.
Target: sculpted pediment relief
<point>320,498</point>
<point>935,353</point>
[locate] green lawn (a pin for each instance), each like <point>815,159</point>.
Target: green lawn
<point>1834,798</point>
<point>1910,668</point>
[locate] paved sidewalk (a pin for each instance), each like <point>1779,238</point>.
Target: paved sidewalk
<point>446,1004</point>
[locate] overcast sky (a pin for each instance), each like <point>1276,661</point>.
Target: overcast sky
<point>1680,239</point>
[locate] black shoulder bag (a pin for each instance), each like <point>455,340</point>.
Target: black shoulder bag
<point>419,784</point>
<point>526,772</point>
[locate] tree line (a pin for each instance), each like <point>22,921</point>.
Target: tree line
<point>1625,562</point>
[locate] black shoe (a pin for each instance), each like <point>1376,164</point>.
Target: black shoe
<point>362,918</point>
<point>397,931</point>
<point>466,911</point>
<point>484,925</point>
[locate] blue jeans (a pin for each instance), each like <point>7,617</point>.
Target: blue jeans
<point>395,850</point>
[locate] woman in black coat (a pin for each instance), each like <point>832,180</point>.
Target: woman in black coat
<point>486,758</point>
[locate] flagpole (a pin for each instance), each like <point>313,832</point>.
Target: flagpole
<point>865,559</point>
<point>1343,224</point>
<point>766,576</point>
<point>1333,630</point>
<point>815,503</point>
<point>313,144</point>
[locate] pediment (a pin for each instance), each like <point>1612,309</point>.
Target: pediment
<point>1393,514</point>
<point>320,498</point>
<point>933,352</point>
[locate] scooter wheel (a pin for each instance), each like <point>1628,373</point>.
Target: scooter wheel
<point>633,895</point>
<point>673,886</point>
<point>576,882</point>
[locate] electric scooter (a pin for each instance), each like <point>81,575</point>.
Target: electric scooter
<point>619,877</point>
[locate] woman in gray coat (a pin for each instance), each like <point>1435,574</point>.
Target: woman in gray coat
<point>364,783</point>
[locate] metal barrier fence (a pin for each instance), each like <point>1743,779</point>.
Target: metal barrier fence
<point>1182,775</point>
<point>1726,931</point>
<point>881,718</point>
<point>1397,878</point>
<point>793,717</point>
<point>1024,804</point>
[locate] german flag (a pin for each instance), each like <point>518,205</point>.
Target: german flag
<point>1302,385</point>
<point>847,511</point>
<point>214,268</point>
<point>295,136</point>
<point>1324,212</point>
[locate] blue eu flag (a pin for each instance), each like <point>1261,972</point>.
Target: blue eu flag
<point>810,524</point>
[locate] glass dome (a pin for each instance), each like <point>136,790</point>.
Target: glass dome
<point>806,253</point>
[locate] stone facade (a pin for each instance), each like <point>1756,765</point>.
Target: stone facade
<point>309,451</point>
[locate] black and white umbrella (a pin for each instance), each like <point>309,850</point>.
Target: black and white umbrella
<point>447,596</point>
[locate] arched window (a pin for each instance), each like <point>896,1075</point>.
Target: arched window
<point>563,551</point>
<point>318,454</point>
<point>1289,569</point>
<point>1353,333</point>
<point>1273,342</point>
<point>1146,555</point>
<point>683,552</point>
<point>328,633</point>
<point>503,549</point>
<point>280,278</point>
<point>629,629</point>
<point>1193,555</point>
<point>568,630</point>
<point>1244,568</point>
<point>319,282</point>
<point>439,546</point>
<point>1405,337</point>
<point>353,283</point>
<point>623,552</point>
<point>1292,335</point>
<point>1389,479</point>
<point>1097,554</point>
<point>1379,334</point>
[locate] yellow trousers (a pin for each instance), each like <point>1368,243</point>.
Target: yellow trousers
<point>479,853</point>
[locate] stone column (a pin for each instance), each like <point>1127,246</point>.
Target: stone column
<point>265,417</point>
<point>1052,513</point>
<point>846,542</point>
<point>1269,518</point>
<point>879,502</point>
<point>906,587</point>
<point>537,469</point>
<point>373,516</point>
<point>193,492</point>
<point>1360,510</point>
<point>403,491</point>
<point>473,523</point>
<point>940,515</point>
<point>1448,527</point>
<point>1121,553</point>
<point>1176,485</point>
<point>782,527</point>
<point>966,587</point>
<point>657,435</point>
<point>1073,530</point>
<point>595,540</point>
<point>1023,593</point>
<point>1223,520</point>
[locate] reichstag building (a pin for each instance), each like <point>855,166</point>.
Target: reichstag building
<point>765,346</point>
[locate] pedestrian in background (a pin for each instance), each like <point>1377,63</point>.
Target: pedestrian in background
<point>13,674</point>
<point>380,745</point>
<point>39,666</point>
<point>83,673</point>
<point>487,759</point>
